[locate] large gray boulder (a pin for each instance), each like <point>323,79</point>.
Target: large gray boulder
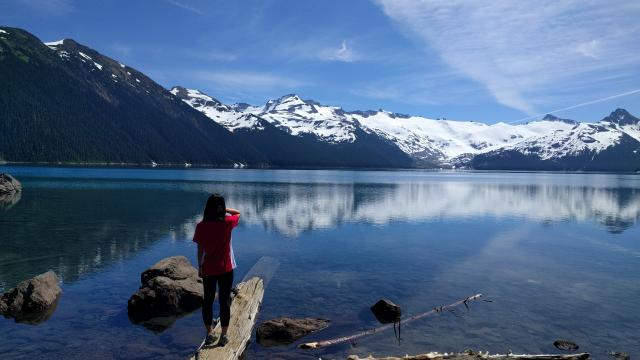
<point>9,184</point>
<point>169,288</point>
<point>32,301</point>
<point>284,330</point>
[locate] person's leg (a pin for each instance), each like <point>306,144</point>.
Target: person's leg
<point>209,285</point>
<point>224,295</point>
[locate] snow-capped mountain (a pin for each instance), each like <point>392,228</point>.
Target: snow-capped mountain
<point>612,144</point>
<point>419,137</point>
<point>442,143</point>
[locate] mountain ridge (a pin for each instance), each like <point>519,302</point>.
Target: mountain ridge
<point>63,102</point>
<point>64,105</point>
<point>447,143</point>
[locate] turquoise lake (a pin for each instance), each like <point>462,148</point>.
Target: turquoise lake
<point>558,256</point>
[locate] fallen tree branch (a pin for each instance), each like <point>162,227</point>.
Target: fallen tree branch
<point>471,355</point>
<point>350,338</point>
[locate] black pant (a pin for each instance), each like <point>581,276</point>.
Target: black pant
<point>209,282</point>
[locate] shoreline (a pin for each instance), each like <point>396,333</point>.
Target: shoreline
<point>172,166</point>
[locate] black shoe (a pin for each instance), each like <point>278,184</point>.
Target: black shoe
<point>210,339</point>
<point>223,340</point>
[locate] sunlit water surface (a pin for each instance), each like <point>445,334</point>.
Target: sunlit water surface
<point>558,255</point>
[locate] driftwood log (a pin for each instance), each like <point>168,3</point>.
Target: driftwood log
<point>350,338</point>
<point>471,355</point>
<point>244,310</point>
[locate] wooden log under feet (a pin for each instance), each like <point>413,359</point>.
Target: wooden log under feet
<point>244,310</point>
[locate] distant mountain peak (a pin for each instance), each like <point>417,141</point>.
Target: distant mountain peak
<point>284,103</point>
<point>621,117</point>
<point>292,99</point>
<point>550,117</point>
<point>198,99</point>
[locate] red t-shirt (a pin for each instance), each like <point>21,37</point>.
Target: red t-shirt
<point>215,239</point>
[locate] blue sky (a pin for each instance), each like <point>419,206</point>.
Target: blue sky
<point>470,60</point>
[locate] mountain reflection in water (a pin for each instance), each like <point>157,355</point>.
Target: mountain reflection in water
<point>83,224</point>
<point>291,209</point>
<point>556,252</point>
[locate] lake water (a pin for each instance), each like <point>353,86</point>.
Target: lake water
<point>557,254</point>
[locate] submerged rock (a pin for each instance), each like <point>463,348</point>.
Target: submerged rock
<point>565,345</point>
<point>284,330</point>
<point>32,301</point>
<point>8,200</point>
<point>169,288</point>
<point>9,184</point>
<point>619,355</point>
<point>386,311</point>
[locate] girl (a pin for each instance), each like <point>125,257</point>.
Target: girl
<point>216,262</point>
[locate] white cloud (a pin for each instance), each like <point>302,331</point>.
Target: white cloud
<point>318,50</point>
<point>519,50</point>
<point>590,49</point>
<point>343,53</point>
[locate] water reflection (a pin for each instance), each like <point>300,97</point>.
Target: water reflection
<point>422,240</point>
<point>83,224</point>
<point>292,209</point>
<point>75,231</point>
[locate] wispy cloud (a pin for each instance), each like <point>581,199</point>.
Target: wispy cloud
<point>420,88</point>
<point>343,53</point>
<point>592,49</point>
<point>121,49</point>
<point>520,50</point>
<point>241,80</point>
<point>50,7</point>
<point>318,50</point>
<point>186,6</point>
<point>219,56</point>
<point>213,55</point>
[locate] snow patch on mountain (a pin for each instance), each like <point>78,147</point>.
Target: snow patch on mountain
<point>84,55</point>
<point>579,139</point>
<point>452,138</point>
<point>217,111</point>
<point>54,44</point>
<point>296,116</point>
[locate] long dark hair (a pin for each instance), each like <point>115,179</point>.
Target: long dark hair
<point>215,209</point>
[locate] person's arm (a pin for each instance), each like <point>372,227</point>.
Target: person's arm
<point>233,211</point>
<point>199,260</point>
